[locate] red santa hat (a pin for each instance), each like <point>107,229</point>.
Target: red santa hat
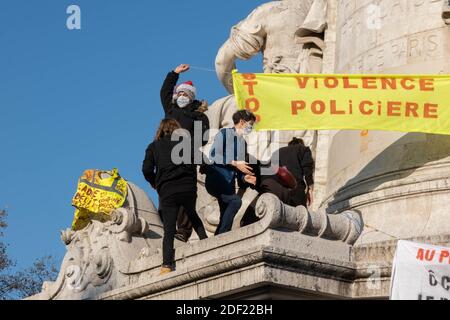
<point>187,87</point>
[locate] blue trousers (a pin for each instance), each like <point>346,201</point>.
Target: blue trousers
<point>229,206</point>
<point>229,201</point>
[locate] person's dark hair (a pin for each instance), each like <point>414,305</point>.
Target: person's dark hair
<point>297,141</point>
<point>166,128</point>
<point>243,115</point>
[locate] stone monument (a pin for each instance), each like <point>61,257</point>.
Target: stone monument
<point>397,180</point>
<point>290,36</point>
<point>372,188</point>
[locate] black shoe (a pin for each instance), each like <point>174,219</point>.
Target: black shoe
<point>181,237</point>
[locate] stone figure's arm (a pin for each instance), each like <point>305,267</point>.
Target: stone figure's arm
<point>310,35</point>
<point>246,40</point>
<point>316,19</point>
<point>225,63</point>
<point>307,164</point>
<point>148,167</point>
<point>167,90</point>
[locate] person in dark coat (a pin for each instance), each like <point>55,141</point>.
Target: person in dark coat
<point>297,158</point>
<point>229,159</point>
<point>179,103</point>
<point>176,185</point>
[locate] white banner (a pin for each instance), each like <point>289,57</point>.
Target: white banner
<point>420,272</point>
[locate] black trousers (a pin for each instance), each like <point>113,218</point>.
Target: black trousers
<point>169,209</point>
<point>184,226</point>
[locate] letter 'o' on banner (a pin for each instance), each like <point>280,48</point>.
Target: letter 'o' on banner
<point>406,103</point>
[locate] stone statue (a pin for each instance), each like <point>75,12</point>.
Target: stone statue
<point>99,256</point>
<point>110,255</point>
<point>378,186</point>
<point>290,35</point>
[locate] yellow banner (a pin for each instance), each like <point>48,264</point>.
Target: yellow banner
<point>98,194</point>
<point>407,103</point>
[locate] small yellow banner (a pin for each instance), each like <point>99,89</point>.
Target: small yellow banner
<point>406,103</point>
<point>98,194</point>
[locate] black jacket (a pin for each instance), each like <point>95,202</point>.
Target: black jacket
<point>185,116</point>
<point>298,159</point>
<point>159,169</point>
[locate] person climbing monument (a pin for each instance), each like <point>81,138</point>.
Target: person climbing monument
<point>297,158</point>
<point>293,184</point>
<point>176,185</point>
<point>179,103</point>
<point>229,162</point>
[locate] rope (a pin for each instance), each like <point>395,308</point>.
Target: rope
<point>385,233</point>
<point>207,69</point>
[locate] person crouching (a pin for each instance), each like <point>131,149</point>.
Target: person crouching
<point>229,159</point>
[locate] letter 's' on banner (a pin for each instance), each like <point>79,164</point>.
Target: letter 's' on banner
<point>407,103</point>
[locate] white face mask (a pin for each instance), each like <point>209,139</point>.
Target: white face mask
<point>248,129</point>
<point>183,101</point>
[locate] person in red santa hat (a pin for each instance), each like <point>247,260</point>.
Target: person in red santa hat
<point>180,103</point>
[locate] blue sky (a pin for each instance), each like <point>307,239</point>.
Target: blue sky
<point>89,98</point>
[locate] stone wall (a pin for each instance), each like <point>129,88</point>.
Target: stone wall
<point>399,181</point>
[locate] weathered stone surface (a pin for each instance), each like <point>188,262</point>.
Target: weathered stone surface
<point>121,258</point>
<point>398,181</point>
<point>99,255</point>
<point>274,241</point>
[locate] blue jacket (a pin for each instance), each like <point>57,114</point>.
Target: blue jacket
<point>221,176</point>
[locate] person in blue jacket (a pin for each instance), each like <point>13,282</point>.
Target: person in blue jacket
<point>229,162</point>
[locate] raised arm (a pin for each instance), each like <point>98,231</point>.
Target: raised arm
<point>169,85</point>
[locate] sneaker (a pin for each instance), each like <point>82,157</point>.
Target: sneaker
<point>165,270</point>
